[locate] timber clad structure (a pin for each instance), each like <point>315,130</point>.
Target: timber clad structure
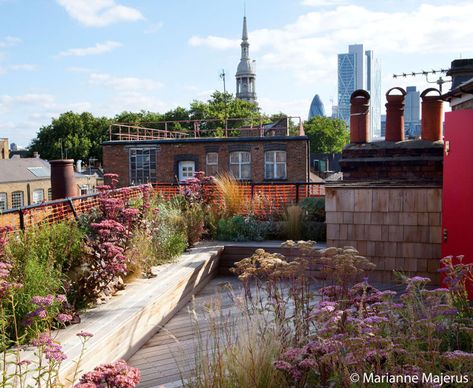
<point>258,155</point>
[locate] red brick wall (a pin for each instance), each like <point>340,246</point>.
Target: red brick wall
<point>116,159</point>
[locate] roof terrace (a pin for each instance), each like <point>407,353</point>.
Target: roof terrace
<point>208,128</point>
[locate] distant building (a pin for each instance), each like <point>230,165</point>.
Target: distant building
<point>334,111</point>
<point>4,153</point>
<point>412,112</point>
<point>245,75</point>
<point>316,107</point>
<point>26,181</point>
<point>383,125</point>
<point>359,69</point>
<point>256,154</point>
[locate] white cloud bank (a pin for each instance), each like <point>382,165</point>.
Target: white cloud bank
<point>314,39</point>
<point>100,13</point>
<point>99,48</point>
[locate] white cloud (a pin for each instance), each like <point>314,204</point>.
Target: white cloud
<point>153,28</point>
<point>124,84</point>
<point>215,42</point>
<point>99,48</point>
<point>100,13</point>
<point>308,47</point>
<point>322,3</point>
<point>23,67</point>
<point>9,41</point>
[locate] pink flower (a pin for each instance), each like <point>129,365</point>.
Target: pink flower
<point>84,334</point>
<point>63,318</point>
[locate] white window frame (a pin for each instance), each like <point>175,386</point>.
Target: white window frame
<point>184,169</point>
<point>3,201</point>
<point>50,194</point>
<point>211,163</point>
<point>15,202</point>
<point>271,164</point>
<point>237,159</point>
<point>38,196</point>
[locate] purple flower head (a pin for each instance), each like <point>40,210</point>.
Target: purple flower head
<point>63,318</point>
<point>84,334</point>
<point>43,301</point>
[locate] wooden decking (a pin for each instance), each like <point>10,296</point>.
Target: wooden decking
<point>170,354</point>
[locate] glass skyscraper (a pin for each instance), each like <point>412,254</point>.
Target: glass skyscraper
<point>359,69</point>
<point>316,107</point>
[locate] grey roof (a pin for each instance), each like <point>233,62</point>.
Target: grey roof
<point>24,170</point>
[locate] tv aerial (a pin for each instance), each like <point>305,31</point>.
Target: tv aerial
<point>440,81</point>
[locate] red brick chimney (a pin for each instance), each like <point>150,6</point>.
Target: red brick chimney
<point>432,114</point>
<point>63,183</point>
<point>395,115</point>
<point>359,116</point>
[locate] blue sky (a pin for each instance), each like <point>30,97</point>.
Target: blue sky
<point>106,56</point>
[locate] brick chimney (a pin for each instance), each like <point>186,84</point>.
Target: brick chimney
<point>461,70</point>
<point>63,183</point>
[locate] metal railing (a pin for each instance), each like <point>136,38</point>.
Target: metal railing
<point>190,129</point>
<point>263,197</point>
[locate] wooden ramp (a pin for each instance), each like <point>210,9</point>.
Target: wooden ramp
<point>168,356</point>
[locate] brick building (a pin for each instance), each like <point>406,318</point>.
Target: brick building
<point>262,154</point>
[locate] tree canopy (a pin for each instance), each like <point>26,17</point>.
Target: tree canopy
<point>80,135</point>
<point>326,135</point>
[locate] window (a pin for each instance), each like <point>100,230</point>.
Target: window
<point>211,161</point>
<point>142,165</point>
<point>3,201</point>
<point>275,165</point>
<point>84,189</point>
<point>240,165</point>
<point>50,194</point>
<point>38,196</point>
<point>17,199</point>
<point>186,169</point>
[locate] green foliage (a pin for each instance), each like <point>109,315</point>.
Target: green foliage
<point>80,135</point>
<point>169,232</point>
<point>41,257</point>
<point>240,228</point>
<point>326,135</point>
<point>314,208</point>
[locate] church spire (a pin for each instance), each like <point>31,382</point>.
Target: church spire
<point>245,75</point>
<point>244,35</point>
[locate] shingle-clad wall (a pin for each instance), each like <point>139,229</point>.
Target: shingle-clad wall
<point>397,227</point>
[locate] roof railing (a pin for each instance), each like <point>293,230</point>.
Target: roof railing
<point>208,128</point>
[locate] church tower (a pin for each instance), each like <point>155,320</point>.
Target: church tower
<point>245,75</point>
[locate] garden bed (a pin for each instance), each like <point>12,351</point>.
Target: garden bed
<point>126,322</point>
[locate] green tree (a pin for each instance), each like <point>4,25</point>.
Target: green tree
<point>326,135</point>
<point>72,135</point>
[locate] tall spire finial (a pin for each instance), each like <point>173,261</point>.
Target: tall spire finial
<point>244,35</point>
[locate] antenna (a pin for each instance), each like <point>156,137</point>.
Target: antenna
<point>440,81</point>
<point>222,76</point>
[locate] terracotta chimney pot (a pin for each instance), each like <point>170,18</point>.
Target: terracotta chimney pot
<point>395,115</point>
<point>359,116</point>
<point>432,114</point>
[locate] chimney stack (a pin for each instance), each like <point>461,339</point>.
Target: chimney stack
<point>63,183</point>
<point>461,71</point>
<point>395,115</point>
<point>432,114</point>
<point>359,116</point>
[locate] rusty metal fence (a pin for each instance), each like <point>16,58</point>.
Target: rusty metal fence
<point>274,196</point>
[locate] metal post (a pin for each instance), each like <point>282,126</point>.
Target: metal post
<point>252,185</point>
<point>297,192</point>
<point>22,219</point>
<point>71,204</point>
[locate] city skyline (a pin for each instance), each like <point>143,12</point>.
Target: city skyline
<point>106,56</point>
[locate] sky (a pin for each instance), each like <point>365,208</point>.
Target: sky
<point>108,56</point>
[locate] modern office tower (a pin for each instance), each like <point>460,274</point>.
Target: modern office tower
<point>359,69</point>
<point>412,112</point>
<point>245,75</point>
<point>316,107</point>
